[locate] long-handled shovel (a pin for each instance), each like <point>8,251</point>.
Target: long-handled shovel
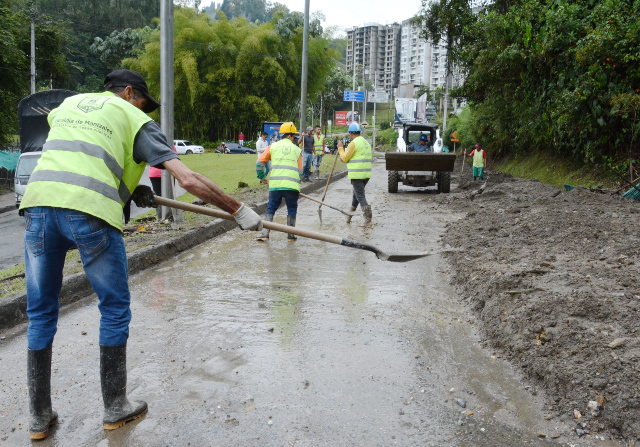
<point>627,181</point>
<point>346,213</point>
<point>327,187</point>
<point>393,257</point>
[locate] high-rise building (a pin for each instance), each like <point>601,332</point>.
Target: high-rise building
<point>421,62</point>
<point>375,50</point>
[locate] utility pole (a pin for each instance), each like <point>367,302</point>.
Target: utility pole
<point>32,13</point>
<point>353,87</point>
<point>166,97</point>
<point>305,54</point>
<point>364,89</point>
<point>375,89</point>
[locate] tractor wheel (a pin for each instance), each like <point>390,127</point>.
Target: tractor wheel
<point>393,181</point>
<point>444,185</point>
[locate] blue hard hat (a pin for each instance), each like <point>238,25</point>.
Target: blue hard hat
<point>423,137</point>
<point>354,127</point>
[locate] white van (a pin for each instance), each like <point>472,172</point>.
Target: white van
<point>26,164</point>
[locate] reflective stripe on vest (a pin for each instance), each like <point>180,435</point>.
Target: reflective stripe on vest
<point>284,165</point>
<point>478,158</point>
<point>318,144</point>
<point>87,162</point>
<point>359,166</point>
<point>94,151</point>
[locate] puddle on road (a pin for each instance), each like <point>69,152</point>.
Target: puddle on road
<point>239,343</point>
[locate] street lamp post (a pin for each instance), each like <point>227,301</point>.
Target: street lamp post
<point>353,51</point>
<point>364,85</point>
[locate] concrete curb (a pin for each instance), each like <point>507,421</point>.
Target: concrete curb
<point>7,208</point>
<point>13,309</point>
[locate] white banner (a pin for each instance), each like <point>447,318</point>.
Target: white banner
<point>378,97</point>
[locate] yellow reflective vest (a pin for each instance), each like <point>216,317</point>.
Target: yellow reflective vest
<point>478,158</point>
<point>284,172</point>
<point>87,161</point>
<point>359,167</point>
<point>318,144</point>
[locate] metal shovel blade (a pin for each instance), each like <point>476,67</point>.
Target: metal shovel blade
<point>404,256</point>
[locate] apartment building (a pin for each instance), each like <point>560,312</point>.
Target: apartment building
<point>375,50</point>
<point>421,62</point>
<point>399,56</point>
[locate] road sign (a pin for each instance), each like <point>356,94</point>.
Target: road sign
<point>351,95</point>
<point>378,97</point>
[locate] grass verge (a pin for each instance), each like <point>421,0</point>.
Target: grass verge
<point>553,170</point>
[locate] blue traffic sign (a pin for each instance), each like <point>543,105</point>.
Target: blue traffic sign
<point>351,95</point>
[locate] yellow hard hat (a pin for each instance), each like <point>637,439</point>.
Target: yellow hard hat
<point>288,127</point>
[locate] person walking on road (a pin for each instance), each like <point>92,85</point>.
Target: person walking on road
<point>261,146</point>
<point>479,161</point>
<point>318,147</point>
<point>241,139</point>
<point>359,160</point>
<point>284,181</point>
<point>306,143</point>
<point>94,156</point>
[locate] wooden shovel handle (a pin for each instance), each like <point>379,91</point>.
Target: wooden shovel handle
<point>270,225</point>
<point>329,179</point>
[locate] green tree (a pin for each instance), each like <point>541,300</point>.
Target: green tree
<point>119,45</point>
<point>231,75</point>
<point>557,75</point>
<point>15,49</point>
<point>14,71</point>
<point>81,21</point>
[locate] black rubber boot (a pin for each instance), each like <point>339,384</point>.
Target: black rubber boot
<point>264,237</point>
<point>39,380</point>
<point>118,410</point>
<point>353,209</point>
<point>291,221</point>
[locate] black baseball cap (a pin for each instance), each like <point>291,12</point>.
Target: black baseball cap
<point>125,78</point>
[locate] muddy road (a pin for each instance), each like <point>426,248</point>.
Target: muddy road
<point>238,343</point>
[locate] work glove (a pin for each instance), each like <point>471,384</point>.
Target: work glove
<point>143,197</point>
<point>247,219</point>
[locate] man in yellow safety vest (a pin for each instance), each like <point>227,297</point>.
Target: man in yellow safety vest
<point>479,160</point>
<point>284,177</point>
<point>359,160</point>
<point>318,147</point>
<point>94,156</point>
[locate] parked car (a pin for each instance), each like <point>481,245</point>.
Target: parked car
<point>185,147</point>
<point>235,148</point>
<point>26,164</point>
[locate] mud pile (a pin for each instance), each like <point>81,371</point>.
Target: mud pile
<point>554,278</point>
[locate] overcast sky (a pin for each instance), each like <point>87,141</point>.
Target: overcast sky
<point>350,13</point>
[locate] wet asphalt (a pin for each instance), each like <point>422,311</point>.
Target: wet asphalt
<point>240,343</point>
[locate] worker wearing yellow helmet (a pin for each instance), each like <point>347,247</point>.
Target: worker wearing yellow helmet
<point>284,177</point>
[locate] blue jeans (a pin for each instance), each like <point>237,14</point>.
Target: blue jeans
<point>307,160</point>
<point>316,162</point>
<point>49,234</point>
<point>275,198</point>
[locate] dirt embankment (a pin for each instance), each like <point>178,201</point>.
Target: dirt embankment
<point>554,278</point>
